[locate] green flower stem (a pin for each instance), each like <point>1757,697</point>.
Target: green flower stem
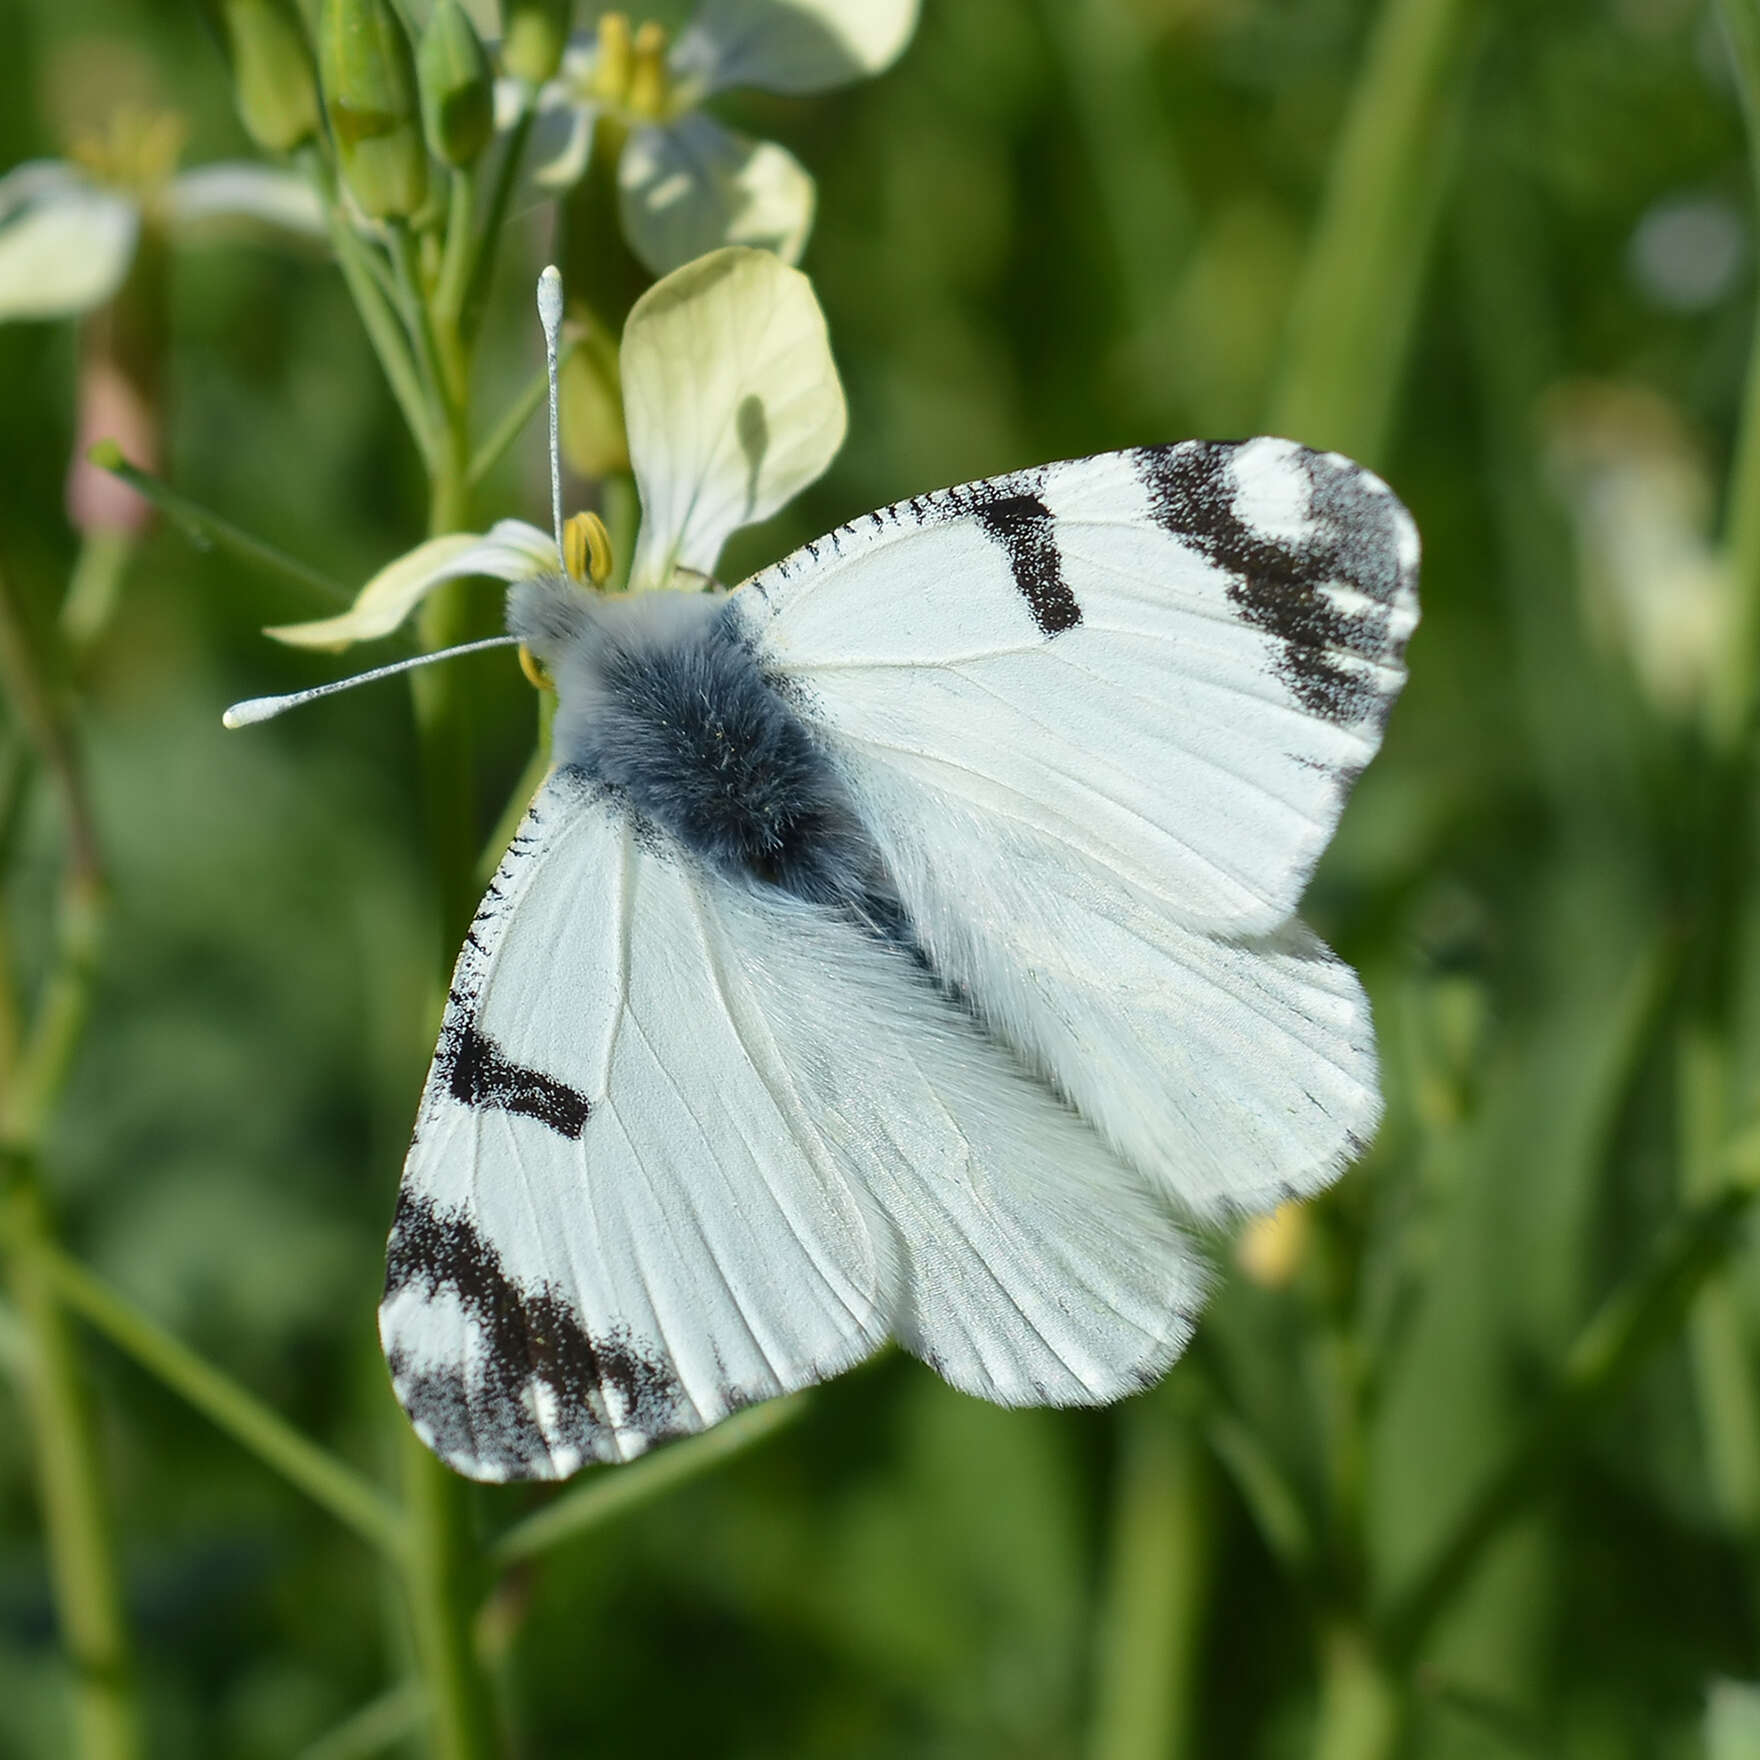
<point>331,1484</point>
<point>76,1519</point>
<point>442,1583</point>
<point>1357,297</point>
<point>377,309</point>
<point>441,380</point>
<point>441,1576</point>
<point>615,1491</point>
<point>1362,1710</point>
<point>456,260</point>
<point>76,1516</point>
<point>1157,1582</point>
<point>96,585</point>
<point>1284,1523</point>
<point>380,1724</point>
<point>1720,1353</point>
<point>482,265</point>
<point>529,401</point>
<point>1599,1365</point>
<point>206,529</point>
<point>1733,702</point>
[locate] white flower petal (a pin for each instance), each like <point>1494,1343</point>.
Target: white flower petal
<point>511,551</point>
<point>561,141</point>
<point>791,45</point>
<point>212,198</point>
<point>65,250</point>
<point>732,403</point>
<point>36,180</point>
<point>692,186</point>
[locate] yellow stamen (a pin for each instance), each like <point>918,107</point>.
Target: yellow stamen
<point>650,85</point>
<point>586,549</point>
<point>611,74</point>
<point>137,152</point>
<point>533,668</point>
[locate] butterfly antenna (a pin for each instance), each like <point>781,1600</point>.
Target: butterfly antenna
<point>255,709</point>
<point>550,316</point>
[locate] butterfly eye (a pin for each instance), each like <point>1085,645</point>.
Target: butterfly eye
<point>586,549</point>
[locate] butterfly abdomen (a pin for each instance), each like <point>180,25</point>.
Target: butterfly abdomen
<point>662,700</point>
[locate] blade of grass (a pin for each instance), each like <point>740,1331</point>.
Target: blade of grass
<point>1599,1365</point>
<point>1158,1578</point>
<point>1356,299</point>
<point>331,1484</point>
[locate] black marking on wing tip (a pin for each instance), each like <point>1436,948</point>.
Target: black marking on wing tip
<point>479,1416</point>
<point>1280,582</point>
<point>1023,526</point>
<point>479,1075</point>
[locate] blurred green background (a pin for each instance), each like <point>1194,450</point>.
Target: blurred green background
<point>1053,228</point>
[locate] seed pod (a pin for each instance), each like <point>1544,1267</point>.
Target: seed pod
<point>458,91</point>
<point>266,49</point>
<point>535,34</point>
<point>370,96</point>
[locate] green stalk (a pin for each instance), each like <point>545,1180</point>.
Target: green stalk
<point>208,530</point>
<point>1733,701</point>
<point>442,1577</point>
<point>327,1481</point>
<point>1132,150</point>
<point>1601,1362</point>
<point>1357,298</point>
<point>526,405</point>
<point>617,1490</point>
<point>1361,1715</point>
<point>76,1518</point>
<point>482,258</point>
<point>96,584</point>
<point>377,311</point>
<point>1158,1576</point>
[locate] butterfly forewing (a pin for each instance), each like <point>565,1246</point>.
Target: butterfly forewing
<point>1101,718</point>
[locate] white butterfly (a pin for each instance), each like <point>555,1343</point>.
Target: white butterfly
<point>902,942</point>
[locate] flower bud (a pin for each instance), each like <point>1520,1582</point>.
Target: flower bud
<point>458,91</point>
<point>271,62</point>
<point>370,96</point>
<point>534,35</point>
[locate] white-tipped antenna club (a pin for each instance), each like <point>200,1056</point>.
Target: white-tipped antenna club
<point>255,709</point>
<point>550,316</point>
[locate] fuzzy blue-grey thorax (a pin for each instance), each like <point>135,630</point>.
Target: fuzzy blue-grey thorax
<point>660,698</point>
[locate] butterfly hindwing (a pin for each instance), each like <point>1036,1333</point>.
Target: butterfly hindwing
<point>689,1142</point>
